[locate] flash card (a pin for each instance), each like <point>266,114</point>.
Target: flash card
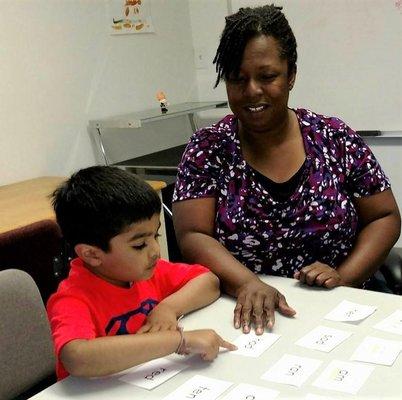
<point>377,351</point>
<point>252,345</point>
<point>245,391</point>
<point>153,373</point>
<point>292,370</point>
<point>346,311</point>
<point>343,376</point>
<point>199,387</point>
<point>323,338</point>
<point>392,324</point>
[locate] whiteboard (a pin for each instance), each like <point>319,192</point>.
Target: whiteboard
<point>350,58</point>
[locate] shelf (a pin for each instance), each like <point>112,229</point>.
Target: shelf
<point>136,119</point>
<point>385,135</point>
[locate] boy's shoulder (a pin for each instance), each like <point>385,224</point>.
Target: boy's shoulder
<point>169,267</point>
<point>173,274</point>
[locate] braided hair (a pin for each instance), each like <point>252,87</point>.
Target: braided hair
<point>246,24</point>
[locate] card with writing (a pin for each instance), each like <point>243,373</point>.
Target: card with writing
<point>292,370</point>
<point>347,311</point>
<point>311,396</point>
<point>323,338</point>
<point>343,376</point>
<point>153,373</point>
<point>245,391</point>
<point>377,351</point>
<point>252,345</point>
<point>199,388</point>
<point>392,324</point>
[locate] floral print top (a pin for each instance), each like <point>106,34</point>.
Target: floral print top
<point>318,222</point>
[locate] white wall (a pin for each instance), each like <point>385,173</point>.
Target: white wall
<point>350,63</point>
<point>350,56</point>
<point>60,67</point>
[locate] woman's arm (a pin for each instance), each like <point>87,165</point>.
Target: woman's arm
<point>380,227</point>
<point>194,223</point>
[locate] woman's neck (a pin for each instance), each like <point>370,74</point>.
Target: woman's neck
<point>287,130</point>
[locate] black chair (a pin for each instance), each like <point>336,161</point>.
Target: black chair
<point>390,272</point>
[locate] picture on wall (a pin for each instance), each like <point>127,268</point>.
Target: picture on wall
<point>130,16</point>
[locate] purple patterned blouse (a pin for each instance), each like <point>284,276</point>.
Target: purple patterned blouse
<point>317,223</point>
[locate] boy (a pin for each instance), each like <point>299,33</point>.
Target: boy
<point>120,303</point>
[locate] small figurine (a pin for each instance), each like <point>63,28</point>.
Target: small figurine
<point>160,96</point>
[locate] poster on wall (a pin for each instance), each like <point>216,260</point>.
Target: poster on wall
<point>130,16</point>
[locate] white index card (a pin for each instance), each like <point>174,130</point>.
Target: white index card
<point>392,324</point>
<point>292,370</point>
<point>153,373</point>
<point>200,388</point>
<point>377,351</point>
<point>245,391</point>
<point>323,338</point>
<point>343,376</point>
<point>347,311</point>
<point>252,345</point>
<point>311,396</point>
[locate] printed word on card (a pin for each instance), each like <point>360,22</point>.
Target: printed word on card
<point>323,338</point>
<point>251,345</point>
<point>343,376</point>
<point>292,370</point>
<point>153,373</point>
<point>377,351</point>
<point>311,396</point>
<point>392,324</point>
<point>347,311</point>
<point>244,391</point>
<point>199,388</point>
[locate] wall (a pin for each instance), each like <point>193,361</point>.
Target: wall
<point>350,56</point>
<point>60,67</point>
<point>350,63</point>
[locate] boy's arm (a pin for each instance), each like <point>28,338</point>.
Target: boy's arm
<point>107,355</point>
<point>196,293</point>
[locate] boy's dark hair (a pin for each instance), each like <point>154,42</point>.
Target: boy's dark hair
<point>246,24</point>
<point>98,203</point>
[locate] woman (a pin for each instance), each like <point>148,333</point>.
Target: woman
<point>274,190</point>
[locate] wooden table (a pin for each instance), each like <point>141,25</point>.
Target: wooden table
<point>26,202</point>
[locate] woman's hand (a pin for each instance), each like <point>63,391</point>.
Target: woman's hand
<point>319,274</point>
<point>161,318</point>
<point>256,302</point>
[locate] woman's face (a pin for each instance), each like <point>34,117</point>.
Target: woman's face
<point>258,96</point>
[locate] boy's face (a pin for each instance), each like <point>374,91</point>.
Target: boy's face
<point>132,254</point>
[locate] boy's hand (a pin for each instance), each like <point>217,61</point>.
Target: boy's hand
<point>161,318</point>
<point>206,343</point>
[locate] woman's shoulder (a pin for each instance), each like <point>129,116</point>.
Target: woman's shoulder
<point>311,118</point>
<point>318,125</point>
<point>221,130</point>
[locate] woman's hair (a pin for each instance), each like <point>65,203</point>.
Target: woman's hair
<point>98,203</point>
<point>246,24</point>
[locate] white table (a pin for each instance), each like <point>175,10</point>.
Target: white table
<point>312,304</point>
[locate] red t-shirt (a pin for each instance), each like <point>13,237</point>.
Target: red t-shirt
<point>86,306</point>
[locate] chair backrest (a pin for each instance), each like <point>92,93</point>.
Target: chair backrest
<point>26,350</point>
<point>31,248</point>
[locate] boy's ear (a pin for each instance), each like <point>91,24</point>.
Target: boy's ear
<point>91,255</point>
